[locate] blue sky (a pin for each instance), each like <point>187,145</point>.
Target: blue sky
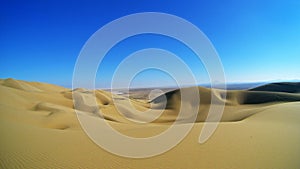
<point>256,40</point>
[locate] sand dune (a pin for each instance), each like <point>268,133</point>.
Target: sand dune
<point>234,99</point>
<point>39,128</point>
<point>279,87</point>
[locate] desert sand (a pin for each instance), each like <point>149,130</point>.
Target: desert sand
<point>39,128</point>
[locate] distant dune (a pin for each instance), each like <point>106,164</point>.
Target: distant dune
<point>287,87</point>
<point>39,127</point>
<point>235,99</point>
<point>257,95</point>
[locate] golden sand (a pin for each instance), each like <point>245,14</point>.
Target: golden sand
<point>39,129</point>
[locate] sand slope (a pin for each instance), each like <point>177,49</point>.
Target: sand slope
<point>39,128</point>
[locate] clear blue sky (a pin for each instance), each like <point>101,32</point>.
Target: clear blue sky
<point>256,40</point>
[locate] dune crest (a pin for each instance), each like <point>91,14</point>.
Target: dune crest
<point>19,85</point>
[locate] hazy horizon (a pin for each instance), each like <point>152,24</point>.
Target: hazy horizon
<point>229,85</point>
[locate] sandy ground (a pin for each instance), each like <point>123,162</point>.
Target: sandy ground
<point>39,128</point>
